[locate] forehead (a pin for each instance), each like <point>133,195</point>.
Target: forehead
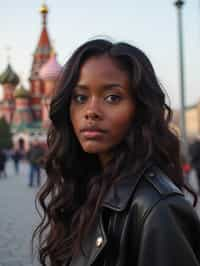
<point>103,66</point>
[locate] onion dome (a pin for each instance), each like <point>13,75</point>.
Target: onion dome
<point>51,69</point>
<point>21,92</point>
<point>9,76</point>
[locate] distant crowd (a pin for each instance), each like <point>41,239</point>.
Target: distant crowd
<point>35,157</point>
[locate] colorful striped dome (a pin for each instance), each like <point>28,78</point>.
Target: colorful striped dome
<point>21,92</point>
<point>9,76</point>
<point>50,70</point>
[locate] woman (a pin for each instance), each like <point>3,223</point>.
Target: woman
<point>113,195</point>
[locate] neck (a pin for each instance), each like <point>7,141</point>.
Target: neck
<point>104,158</point>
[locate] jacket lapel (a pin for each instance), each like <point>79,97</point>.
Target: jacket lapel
<point>120,192</point>
<point>116,199</point>
<point>92,245</point>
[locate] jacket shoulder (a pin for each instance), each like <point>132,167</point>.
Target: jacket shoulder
<point>154,187</point>
<point>169,233</point>
<point>161,182</point>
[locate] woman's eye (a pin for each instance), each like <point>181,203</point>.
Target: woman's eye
<point>79,98</point>
<point>113,98</point>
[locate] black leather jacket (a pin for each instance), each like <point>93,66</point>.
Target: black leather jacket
<point>144,221</point>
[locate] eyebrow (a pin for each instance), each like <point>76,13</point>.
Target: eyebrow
<point>105,87</point>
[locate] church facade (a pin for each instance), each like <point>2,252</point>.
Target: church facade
<point>26,110</point>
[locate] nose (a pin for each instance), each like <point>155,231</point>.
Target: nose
<point>93,111</point>
<point>91,115</point>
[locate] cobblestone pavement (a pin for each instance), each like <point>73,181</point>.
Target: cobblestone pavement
<point>18,217</point>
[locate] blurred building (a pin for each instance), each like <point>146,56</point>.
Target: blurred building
<point>27,109</point>
<point>192,116</point>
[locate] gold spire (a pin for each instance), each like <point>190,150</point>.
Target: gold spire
<point>44,9</point>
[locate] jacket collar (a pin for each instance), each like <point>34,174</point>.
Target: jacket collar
<point>120,192</point>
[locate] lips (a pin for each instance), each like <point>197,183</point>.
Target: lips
<point>92,132</point>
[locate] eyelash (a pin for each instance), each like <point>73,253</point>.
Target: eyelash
<point>117,98</point>
<point>76,98</point>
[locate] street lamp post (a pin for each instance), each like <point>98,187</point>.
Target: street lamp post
<point>179,5</point>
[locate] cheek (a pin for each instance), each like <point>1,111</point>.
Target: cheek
<point>121,122</point>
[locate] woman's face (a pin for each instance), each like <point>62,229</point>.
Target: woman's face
<point>102,107</point>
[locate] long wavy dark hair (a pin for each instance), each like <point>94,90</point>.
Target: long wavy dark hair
<point>76,184</point>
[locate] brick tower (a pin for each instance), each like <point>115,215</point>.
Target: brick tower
<point>40,57</point>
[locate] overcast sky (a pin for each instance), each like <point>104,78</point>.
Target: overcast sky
<point>150,25</point>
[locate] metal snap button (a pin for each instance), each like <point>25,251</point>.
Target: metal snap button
<point>99,241</point>
<point>151,174</point>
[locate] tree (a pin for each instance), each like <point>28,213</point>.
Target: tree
<point>5,134</point>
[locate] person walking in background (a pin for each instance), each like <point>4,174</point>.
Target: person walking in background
<point>35,158</point>
<point>2,164</point>
<point>114,188</point>
<point>16,156</point>
<point>186,167</point>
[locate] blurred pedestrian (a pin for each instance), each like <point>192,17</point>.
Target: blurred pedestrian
<point>186,167</point>
<point>35,158</point>
<point>2,164</point>
<point>16,156</point>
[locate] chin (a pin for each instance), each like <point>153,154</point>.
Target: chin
<point>94,149</point>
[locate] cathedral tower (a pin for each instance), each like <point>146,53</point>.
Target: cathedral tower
<point>40,57</point>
